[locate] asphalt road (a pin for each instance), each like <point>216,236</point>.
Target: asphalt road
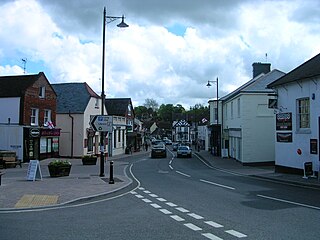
<point>178,199</point>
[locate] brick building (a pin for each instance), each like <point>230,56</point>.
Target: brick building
<point>28,114</point>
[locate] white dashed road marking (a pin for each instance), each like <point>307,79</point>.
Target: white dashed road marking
<point>236,234</point>
<point>165,211</point>
<point>139,196</point>
<point>182,209</point>
<point>155,205</point>
<point>196,216</point>
<point>161,199</point>
<point>193,227</point>
<point>183,174</point>
<point>211,236</point>
<point>146,200</point>
<point>171,204</point>
<point>177,218</point>
<point>214,224</point>
<point>153,195</point>
<point>217,184</point>
<point>147,192</point>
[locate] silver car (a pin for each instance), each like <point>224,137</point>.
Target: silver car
<point>184,151</point>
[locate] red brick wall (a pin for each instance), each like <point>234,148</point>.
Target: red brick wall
<point>32,100</point>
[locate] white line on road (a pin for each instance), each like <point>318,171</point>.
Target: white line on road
<point>146,200</point>
<point>217,184</point>
<point>214,224</point>
<point>236,234</point>
<point>184,174</point>
<point>290,202</point>
<point>147,191</point>
<point>182,209</point>
<point>161,199</point>
<point>141,188</point>
<point>165,211</point>
<point>139,196</point>
<point>171,204</point>
<point>153,195</point>
<point>211,236</point>
<point>155,205</point>
<point>177,218</point>
<point>133,192</point>
<point>192,227</point>
<point>195,216</point>
<point>170,167</point>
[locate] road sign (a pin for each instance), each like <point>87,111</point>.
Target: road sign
<point>102,123</point>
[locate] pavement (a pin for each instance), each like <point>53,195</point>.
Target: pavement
<point>84,181</point>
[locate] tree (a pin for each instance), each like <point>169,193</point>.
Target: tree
<point>165,112</point>
<point>151,103</point>
<point>141,112</point>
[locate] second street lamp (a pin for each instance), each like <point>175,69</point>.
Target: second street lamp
<point>106,20</point>
<point>217,117</point>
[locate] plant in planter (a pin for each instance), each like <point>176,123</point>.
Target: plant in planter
<point>89,160</point>
<point>59,168</point>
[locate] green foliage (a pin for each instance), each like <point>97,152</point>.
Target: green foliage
<point>60,163</point>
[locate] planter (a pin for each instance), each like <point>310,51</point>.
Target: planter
<point>59,169</point>
<point>89,160</point>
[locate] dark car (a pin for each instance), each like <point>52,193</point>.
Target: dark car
<point>175,146</point>
<point>159,150</point>
<point>184,151</point>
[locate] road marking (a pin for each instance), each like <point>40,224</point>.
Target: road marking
<point>133,192</point>
<point>211,236</point>
<point>146,200</point>
<point>161,199</point>
<point>170,167</point>
<point>141,188</point>
<point>153,195</point>
<point>236,234</point>
<point>171,204</point>
<point>155,205</point>
<point>177,218</point>
<point>183,174</point>
<point>147,192</point>
<point>165,211</point>
<point>182,209</point>
<point>192,227</point>
<point>139,196</point>
<point>214,224</point>
<point>290,202</point>
<point>196,216</point>
<point>217,184</point>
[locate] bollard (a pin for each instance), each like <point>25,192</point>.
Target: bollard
<point>111,180</point>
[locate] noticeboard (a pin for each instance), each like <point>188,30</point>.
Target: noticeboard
<point>34,171</point>
<point>308,170</point>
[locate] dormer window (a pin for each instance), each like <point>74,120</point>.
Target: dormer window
<point>42,92</point>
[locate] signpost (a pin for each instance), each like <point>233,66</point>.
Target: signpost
<point>102,123</point>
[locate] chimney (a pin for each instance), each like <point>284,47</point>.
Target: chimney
<point>259,68</point>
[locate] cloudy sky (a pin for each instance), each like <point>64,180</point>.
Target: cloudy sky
<point>169,52</point>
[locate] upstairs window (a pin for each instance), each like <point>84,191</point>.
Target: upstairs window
<point>34,119</point>
<point>47,116</point>
<point>96,105</point>
<point>303,111</point>
<point>42,92</point>
<point>129,110</point>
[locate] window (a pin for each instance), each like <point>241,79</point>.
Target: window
<point>129,110</point>
<point>231,110</point>
<point>34,119</point>
<point>303,115</point>
<point>96,105</point>
<point>42,92</point>
<point>47,116</point>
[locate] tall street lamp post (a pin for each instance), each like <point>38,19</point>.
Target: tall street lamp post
<point>106,20</point>
<point>217,123</point>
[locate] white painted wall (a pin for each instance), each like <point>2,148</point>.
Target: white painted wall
<point>286,153</point>
<point>12,139</point>
<point>9,108</point>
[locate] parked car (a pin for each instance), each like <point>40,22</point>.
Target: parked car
<point>159,150</point>
<point>184,151</point>
<point>168,142</point>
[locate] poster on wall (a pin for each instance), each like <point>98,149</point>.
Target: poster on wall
<point>313,146</point>
<point>284,121</point>
<point>284,137</point>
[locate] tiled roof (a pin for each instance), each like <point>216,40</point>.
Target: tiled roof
<point>257,84</point>
<point>117,106</point>
<point>15,86</point>
<point>307,70</point>
<point>73,97</point>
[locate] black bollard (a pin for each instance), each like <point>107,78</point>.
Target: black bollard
<point>111,180</point>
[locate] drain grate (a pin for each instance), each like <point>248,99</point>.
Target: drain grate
<point>115,180</point>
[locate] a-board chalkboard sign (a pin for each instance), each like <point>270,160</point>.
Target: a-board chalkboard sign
<point>34,171</point>
<point>307,169</point>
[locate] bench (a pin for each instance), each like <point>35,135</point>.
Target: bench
<point>10,161</point>
<point>1,173</point>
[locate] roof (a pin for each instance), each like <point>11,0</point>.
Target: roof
<point>117,106</point>
<point>181,123</point>
<point>73,97</point>
<point>257,84</point>
<point>20,82</point>
<point>307,70</point>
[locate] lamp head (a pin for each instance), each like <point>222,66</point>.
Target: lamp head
<point>122,24</point>
<point>208,84</point>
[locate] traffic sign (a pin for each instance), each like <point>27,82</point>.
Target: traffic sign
<point>102,123</point>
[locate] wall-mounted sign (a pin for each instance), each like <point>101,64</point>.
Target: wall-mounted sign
<point>313,146</point>
<point>284,137</point>
<point>45,132</point>
<point>284,121</point>
<point>34,132</point>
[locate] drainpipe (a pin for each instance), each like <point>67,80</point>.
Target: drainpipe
<point>72,124</point>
